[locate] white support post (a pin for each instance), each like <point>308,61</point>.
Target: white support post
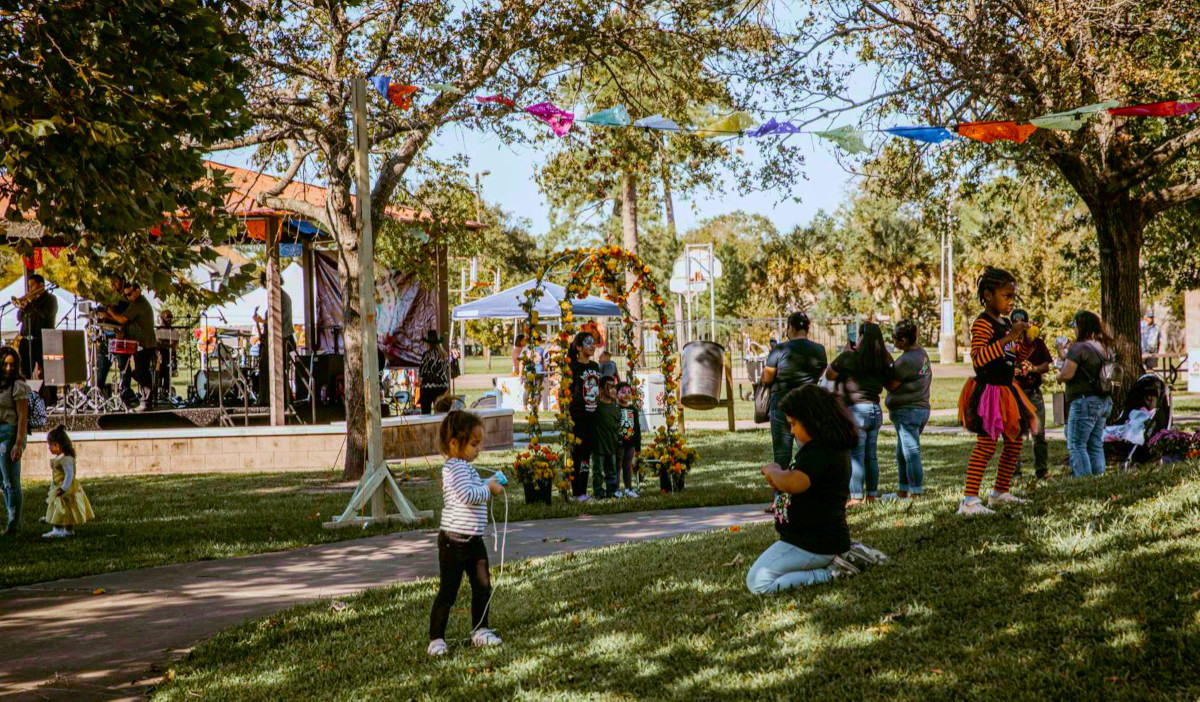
<point>377,484</point>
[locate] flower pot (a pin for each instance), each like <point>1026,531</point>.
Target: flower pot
<point>537,493</point>
<point>668,481</point>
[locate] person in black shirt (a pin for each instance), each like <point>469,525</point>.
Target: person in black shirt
<point>810,504</point>
<point>138,324</point>
<point>585,396</point>
<point>797,361</point>
<point>433,373</point>
<point>861,375</point>
<point>40,312</point>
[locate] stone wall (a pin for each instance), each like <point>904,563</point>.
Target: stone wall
<point>247,449</point>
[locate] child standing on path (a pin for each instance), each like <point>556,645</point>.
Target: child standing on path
<point>460,541</point>
<point>991,405</point>
<point>66,503</point>
<point>631,436</point>
<point>607,444</point>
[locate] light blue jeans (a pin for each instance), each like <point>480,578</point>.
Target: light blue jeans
<point>1085,434</point>
<point>10,476</point>
<point>864,459</point>
<point>909,423</point>
<point>784,566</point>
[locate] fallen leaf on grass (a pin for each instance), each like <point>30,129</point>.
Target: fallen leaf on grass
<point>737,559</point>
<point>98,591</point>
<point>1114,498</point>
<point>735,528</point>
<point>937,671</point>
<point>170,674</point>
<point>327,666</point>
<point>338,605</point>
<point>898,524</point>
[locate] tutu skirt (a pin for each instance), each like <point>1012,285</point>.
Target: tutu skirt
<point>996,410</point>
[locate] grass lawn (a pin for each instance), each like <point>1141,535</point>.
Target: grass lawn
<point>156,520</point>
<point>1091,591</point>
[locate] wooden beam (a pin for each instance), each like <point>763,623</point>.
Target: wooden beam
<point>310,312</point>
<point>275,327</point>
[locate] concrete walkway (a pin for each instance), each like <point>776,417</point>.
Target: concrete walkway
<point>59,641</point>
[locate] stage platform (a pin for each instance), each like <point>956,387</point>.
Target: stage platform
<point>241,449</point>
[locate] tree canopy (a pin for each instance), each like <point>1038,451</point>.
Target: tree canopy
<point>106,112</point>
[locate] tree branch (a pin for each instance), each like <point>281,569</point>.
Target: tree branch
<point>299,156</point>
<point>300,207</point>
<point>1166,152</point>
<point>1162,200</point>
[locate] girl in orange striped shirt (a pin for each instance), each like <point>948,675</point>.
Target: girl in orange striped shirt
<point>992,405</point>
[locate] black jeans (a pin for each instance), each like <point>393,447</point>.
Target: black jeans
<point>428,396</point>
<point>582,454</point>
<point>143,373</point>
<point>458,554</point>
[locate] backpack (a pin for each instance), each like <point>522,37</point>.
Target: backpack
<point>37,412</point>
<point>1110,374</point>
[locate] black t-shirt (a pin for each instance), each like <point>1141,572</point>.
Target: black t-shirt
<point>796,362</point>
<point>585,386</point>
<point>1090,361</point>
<point>141,323</point>
<point>859,387</point>
<point>815,520</point>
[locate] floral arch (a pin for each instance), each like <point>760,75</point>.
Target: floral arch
<point>603,268</point>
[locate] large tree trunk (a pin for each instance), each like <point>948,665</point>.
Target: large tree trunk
<point>346,232</point>
<point>1119,231</point>
<point>629,241</point>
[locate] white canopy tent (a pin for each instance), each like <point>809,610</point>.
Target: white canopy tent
<point>240,312</point>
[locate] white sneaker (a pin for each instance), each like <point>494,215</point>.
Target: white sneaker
<point>619,493</point>
<point>972,506</point>
<point>485,637</point>
<point>841,568</point>
<point>1004,498</point>
<point>630,493</point>
<point>437,647</point>
<point>583,498</point>
<point>56,533</point>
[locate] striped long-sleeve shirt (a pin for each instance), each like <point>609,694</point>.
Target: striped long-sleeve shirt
<point>465,496</point>
<point>993,359</point>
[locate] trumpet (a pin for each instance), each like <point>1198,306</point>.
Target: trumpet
<point>24,300</point>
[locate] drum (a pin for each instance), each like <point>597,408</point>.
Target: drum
<point>208,382</point>
<point>122,347</point>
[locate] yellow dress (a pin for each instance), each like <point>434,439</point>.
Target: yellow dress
<point>72,507</point>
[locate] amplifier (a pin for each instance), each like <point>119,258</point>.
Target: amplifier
<point>64,356</point>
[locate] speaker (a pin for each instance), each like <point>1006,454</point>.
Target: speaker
<point>64,357</point>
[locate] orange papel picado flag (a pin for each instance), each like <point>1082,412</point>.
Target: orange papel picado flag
<point>988,132</point>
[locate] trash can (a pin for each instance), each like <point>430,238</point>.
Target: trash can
<point>702,367</point>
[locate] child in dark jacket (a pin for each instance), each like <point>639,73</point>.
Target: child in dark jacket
<point>606,446</point>
<point>631,436</point>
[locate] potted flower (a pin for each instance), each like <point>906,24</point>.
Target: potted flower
<point>671,458</point>
<point>536,468</point>
<point>1172,445</point>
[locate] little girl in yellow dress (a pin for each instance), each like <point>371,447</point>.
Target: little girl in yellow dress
<point>66,504</point>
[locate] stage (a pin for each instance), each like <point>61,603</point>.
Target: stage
<point>241,449</point>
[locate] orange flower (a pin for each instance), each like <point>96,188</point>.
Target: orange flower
<point>735,528</point>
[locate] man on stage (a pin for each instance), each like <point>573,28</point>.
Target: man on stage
<point>38,310</point>
<point>138,321</point>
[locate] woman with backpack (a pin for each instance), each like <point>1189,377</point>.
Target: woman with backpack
<point>14,429</point>
<point>1089,394</point>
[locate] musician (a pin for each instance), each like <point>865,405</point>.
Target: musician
<point>37,310</point>
<point>137,323</point>
<point>117,305</point>
<point>264,352</point>
<point>167,353</point>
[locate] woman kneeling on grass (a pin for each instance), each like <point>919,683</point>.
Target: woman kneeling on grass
<point>810,505</point>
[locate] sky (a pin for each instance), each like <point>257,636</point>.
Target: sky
<point>511,167</point>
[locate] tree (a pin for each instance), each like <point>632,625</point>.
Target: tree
<point>106,112</point>
<point>303,57</point>
<point>993,59</point>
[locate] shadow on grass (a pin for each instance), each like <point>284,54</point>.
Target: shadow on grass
<point>1091,591</point>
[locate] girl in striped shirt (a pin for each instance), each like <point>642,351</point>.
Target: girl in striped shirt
<point>460,541</point>
<point>991,404</point>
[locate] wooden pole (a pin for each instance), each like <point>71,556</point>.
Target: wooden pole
<point>275,328</point>
<point>307,261</point>
<point>377,483</point>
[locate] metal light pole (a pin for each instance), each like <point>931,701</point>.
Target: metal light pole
<point>948,342</point>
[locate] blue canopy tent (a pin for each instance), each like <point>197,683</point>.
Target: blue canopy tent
<point>506,304</point>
